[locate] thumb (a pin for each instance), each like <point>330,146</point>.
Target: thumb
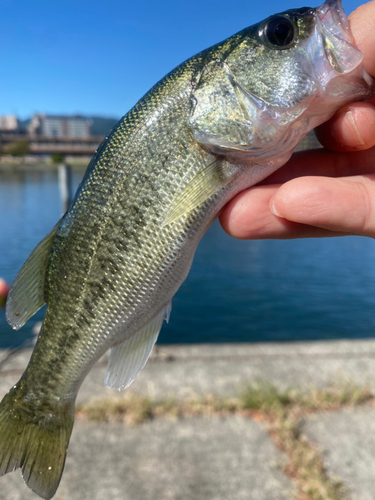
<point>344,205</point>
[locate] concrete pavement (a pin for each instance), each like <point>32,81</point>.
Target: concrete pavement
<point>214,458</point>
<point>347,441</point>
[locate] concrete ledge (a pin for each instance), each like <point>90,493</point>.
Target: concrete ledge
<point>185,370</point>
<point>213,457</point>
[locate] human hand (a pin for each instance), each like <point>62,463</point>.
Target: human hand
<point>327,192</point>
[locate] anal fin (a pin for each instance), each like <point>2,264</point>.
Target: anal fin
<point>128,358</point>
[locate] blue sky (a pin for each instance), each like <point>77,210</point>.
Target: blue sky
<point>99,57</point>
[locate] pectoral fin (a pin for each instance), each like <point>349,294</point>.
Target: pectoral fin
<point>205,184</point>
<point>127,359</point>
<point>26,296</point>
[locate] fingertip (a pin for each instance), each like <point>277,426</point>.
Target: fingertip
<point>274,209</point>
<point>300,199</point>
<point>341,206</point>
<point>232,218</point>
<point>352,128</point>
<point>362,25</point>
<point>225,218</point>
<point>248,215</point>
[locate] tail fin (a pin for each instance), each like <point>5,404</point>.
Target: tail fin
<point>36,440</point>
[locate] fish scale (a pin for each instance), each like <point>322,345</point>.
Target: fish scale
<point>121,221</point>
<point>217,124</point>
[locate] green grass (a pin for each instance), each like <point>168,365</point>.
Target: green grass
<point>281,411</point>
<point>135,410</point>
<point>264,396</point>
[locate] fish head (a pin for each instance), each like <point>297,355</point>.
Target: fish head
<point>266,87</point>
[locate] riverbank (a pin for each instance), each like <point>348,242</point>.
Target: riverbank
<point>306,430</point>
<point>36,163</point>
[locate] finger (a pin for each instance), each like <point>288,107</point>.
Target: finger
<point>338,205</point>
<point>321,162</point>
<point>248,216</point>
<point>362,24</point>
<point>351,128</point>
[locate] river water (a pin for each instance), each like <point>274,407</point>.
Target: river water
<point>237,291</point>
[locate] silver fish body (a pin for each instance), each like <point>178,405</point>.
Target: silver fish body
<point>217,124</point>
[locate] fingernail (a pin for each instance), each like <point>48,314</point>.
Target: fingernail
<point>347,134</point>
<point>274,211</point>
<point>361,142</point>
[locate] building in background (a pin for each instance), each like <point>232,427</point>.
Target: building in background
<point>59,126</point>
<point>9,124</point>
<point>45,135</point>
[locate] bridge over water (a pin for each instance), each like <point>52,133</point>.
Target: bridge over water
<point>54,145</point>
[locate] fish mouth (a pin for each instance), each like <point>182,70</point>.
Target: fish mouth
<point>332,15</point>
<point>338,42</point>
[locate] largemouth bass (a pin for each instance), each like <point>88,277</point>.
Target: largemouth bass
<point>219,123</point>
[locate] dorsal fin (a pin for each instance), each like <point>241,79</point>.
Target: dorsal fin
<point>26,296</point>
<point>128,358</point>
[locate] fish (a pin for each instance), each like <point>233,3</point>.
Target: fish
<point>220,122</point>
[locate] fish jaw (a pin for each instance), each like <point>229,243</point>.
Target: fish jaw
<point>312,78</point>
<point>336,63</point>
<point>339,45</point>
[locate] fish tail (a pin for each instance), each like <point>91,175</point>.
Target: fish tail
<point>35,436</point>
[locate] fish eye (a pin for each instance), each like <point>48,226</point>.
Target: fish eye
<point>280,32</point>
